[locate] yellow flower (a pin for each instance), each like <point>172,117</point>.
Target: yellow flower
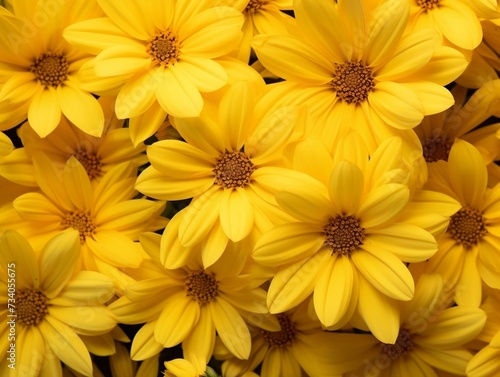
<point>469,250</point>
<point>431,338</point>
<point>190,304</point>
<point>350,239</point>
<point>438,132</point>
<point>184,368</point>
<point>106,217</point>
<point>300,347</point>
<point>98,155</point>
<point>231,165</point>
<point>359,73</point>
<point>158,53</point>
<point>49,304</point>
<point>38,68</point>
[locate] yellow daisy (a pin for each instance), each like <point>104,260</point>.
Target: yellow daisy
<point>98,155</point>
<point>106,217</point>
<point>350,239</point>
<point>301,347</point>
<point>48,305</point>
<point>188,305</point>
<point>159,53</point>
<point>438,132</point>
<point>469,250</point>
<point>38,68</point>
<point>430,341</point>
<point>230,163</point>
<point>358,69</point>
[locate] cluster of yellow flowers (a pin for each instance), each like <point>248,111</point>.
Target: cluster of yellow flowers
<point>262,187</point>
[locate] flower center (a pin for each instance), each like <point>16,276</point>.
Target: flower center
<point>281,338</point>
<point>352,81</point>
<point>233,169</point>
<point>90,162</point>
<point>436,148</point>
<point>201,286</point>
<point>404,344</point>
<point>253,6</point>
<point>50,69</point>
<point>31,306</point>
<point>467,227</point>
<point>427,4</point>
<point>343,234</point>
<point>80,221</point>
<point>163,47</point>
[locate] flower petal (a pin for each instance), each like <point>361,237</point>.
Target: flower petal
<point>236,214</point>
<point>385,272</point>
<point>294,283</point>
<point>44,112</point>
<point>18,258</point>
<point>383,204</point>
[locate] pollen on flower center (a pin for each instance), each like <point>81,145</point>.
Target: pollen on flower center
<point>31,306</point>
<point>201,286</point>
<point>81,221</point>
<point>50,69</point>
<point>428,4</point>
<point>285,336</point>
<point>352,81</point>
<point>436,148</point>
<point>253,6</point>
<point>404,344</point>
<point>163,47</point>
<point>233,169</point>
<point>467,226</point>
<point>90,162</point>
<point>343,234</point>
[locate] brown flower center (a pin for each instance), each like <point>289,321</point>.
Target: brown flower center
<point>90,162</point>
<point>50,69</point>
<point>31,306</point>
<point>81,221</point>
<point>343,234</point>
<point>404,344</point>
<point>428,4</point>
<point>467,226</point>
<point>254,5</point>
<point>285,336</point>
<point>436,148</point>
<point>233,169</point>
<point>352,81</point>
<point>201,286</point>
<point>163,47</point>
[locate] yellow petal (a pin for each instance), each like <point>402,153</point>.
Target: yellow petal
<point>181,310</point>
<point>178,95</point>
<point>144,344</point>
<point>67,346</point>
<point>406,241</point>
<point>54,275</point>
<point>294,283</point>
<point>383,204</point>
<point>385,272</point>
<point>19,260</point>
<point>468,174</point>
<point>236,213</point>
<point>86,320</point>
<point>484,363</point>
<point>129,19</point>
<point>288,243</point>
<point>109,245</point>
<point>380,313</point>
<point>138,94</point>
<point>453,328</point>
<point>450,360</point>
<point>199,345</point>
<point>333,290</point>
<point>346,186</point>
<point>145,125</point>
<point>469,287</point>
<point>82,109</point>
<point>44,112</point>
<point>231,328</point>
